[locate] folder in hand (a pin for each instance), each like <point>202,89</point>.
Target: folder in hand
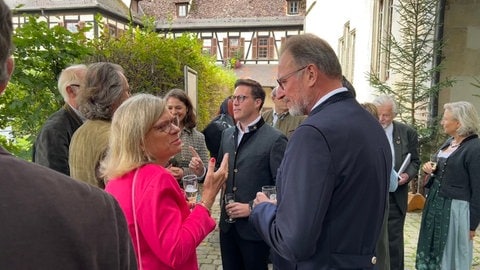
<point>405,164</point>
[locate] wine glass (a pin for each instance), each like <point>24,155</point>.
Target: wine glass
<point>229,198</point>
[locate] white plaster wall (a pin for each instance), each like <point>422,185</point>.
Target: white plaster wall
<point>327,20</point>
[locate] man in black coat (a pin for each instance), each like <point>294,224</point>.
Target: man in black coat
<point>256,150</point>
<point>53,141</point>
<point>48,220</point>
<point>403,140</point>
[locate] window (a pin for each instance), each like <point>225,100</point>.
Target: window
<point>346,51</point>
<point>263,47</point>
<point>71,26</point>
<point>292,7</point>
<point>233,48</point>
<point>182,9</point>
<point>382,32</point>
<point>209,46</point>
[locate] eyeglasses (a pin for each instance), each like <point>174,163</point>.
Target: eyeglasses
<point>284,78</point>
<point>239,98</point>
<point>74,85</point>
<point>167,126</point>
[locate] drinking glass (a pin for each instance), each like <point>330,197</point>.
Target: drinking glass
<point>190,185</point>
<point>433,162</point>
<point>229,198</point>
<point>270,192</point>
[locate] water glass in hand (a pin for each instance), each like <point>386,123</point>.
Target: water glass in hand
<point>229,198</point>
<point>190,185</point>
<point>270,192</point>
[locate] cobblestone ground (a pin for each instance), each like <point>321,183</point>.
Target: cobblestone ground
<point>209,251</point>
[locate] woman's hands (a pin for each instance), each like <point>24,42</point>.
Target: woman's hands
<point>214,180</point>
<point>429,167</point>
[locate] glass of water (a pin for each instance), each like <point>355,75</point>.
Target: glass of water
<point>270,192</point>
<point>229,198</point>
<point>190,185</point>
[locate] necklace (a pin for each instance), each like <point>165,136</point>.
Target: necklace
<point>454,145</point>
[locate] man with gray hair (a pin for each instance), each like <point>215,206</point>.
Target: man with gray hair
<point>51,146</point>
<point>47,219</point>
<point>403,140</point>
<point>280,118</point>
<point>331,183</point>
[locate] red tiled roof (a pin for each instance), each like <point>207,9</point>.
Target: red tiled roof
<point>219,9</point>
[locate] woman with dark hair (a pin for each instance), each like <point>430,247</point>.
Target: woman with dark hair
<point>194,152</point>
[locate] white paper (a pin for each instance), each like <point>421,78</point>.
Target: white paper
<point>405,164</point>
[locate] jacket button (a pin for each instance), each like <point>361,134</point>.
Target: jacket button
<point>374,260</point>
<point>235,170</point>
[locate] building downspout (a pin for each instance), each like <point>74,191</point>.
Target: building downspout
<point>437,59</point>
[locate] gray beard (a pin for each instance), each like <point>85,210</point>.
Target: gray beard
<point>296,111</point>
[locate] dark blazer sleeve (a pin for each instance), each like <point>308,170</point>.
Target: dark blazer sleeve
<point>276,154</point>
<point>297,237</point>
<point>412,169</point>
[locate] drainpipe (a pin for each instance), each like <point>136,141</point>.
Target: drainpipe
<point>437,59</point>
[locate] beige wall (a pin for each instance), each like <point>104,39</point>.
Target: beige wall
<point>461,51</point>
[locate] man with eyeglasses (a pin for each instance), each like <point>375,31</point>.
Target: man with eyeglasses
<point>51,146</point>
<point>332,186</point>
<point>256,150</point>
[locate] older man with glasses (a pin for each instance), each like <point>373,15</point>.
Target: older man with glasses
<point>256,150</point>
<point>332,186</point>
<point>51,146</point>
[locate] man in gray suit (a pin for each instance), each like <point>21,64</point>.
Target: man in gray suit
<point>403,140</point>
<point>48,220</point>
<point>256,150</point>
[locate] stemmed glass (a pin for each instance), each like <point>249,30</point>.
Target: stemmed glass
<point>229,198</point>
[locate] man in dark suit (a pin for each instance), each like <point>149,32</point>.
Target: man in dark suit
<point>48,220</point>
<point>403,140</point>
<point>256,150</point>
<point>331,184</point>
<point>52,143</point>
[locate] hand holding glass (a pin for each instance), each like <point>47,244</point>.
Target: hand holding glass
<point>229,198</point>
<point>433,162</point>
<point>190,185</point>
<point>270,192</point>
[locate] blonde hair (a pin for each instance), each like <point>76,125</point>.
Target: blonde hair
<point>466,114</point>
<point>371,108</point>
<point>130,124</point>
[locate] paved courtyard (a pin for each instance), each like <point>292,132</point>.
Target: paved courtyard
<point>209,251</point>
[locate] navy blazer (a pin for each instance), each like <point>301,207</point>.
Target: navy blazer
<point>332,191</point>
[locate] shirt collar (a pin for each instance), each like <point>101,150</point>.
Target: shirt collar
<point>252,126</point>
<point>328,95</point>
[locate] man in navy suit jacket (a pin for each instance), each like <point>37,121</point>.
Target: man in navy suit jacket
<point>331,183</point>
